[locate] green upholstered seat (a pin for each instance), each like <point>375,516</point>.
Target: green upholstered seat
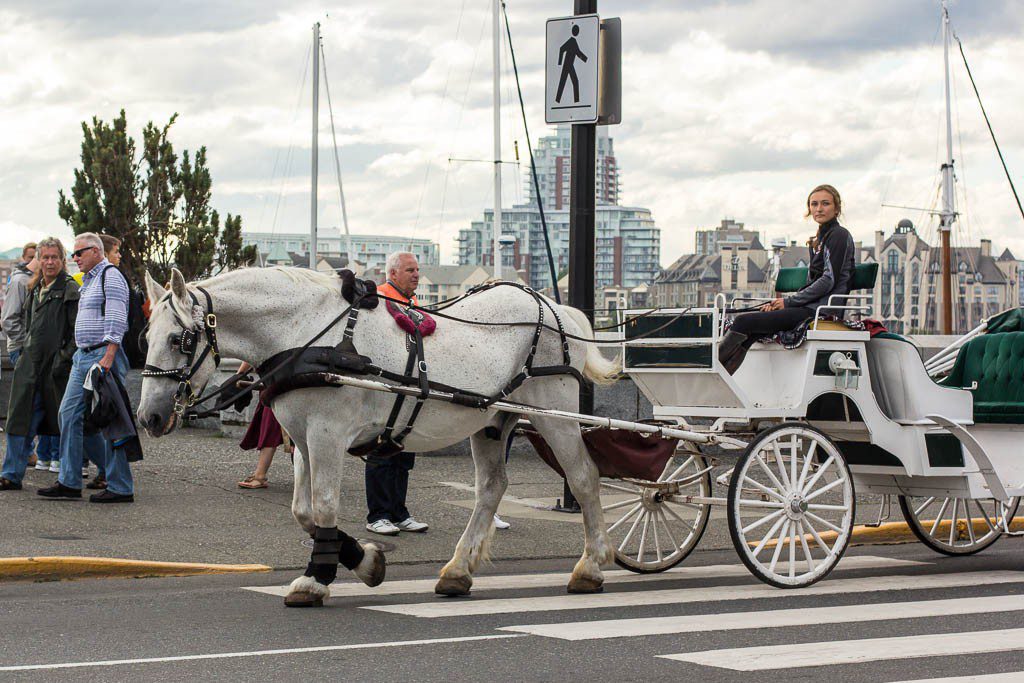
<point>996,363</point>
<point>794,279</point>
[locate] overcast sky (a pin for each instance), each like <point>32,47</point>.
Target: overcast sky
<point>730,109</point>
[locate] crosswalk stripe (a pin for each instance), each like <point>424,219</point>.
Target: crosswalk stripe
<point>771,657</point>
<point>873,584</point>
<point>1012,677</point>
<point>698,623</point>
<point>511,581</point>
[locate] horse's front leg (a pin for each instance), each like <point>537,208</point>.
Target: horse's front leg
<point>302,495</point>
<point>331,545</point>
<point>582,476</point>
<point>489,460</point>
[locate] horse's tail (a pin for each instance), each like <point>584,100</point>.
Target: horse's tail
<point>597,368</point>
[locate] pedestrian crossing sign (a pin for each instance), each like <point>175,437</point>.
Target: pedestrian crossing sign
<point>571,69</point>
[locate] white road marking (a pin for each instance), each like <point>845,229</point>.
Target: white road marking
<point>461,608</point>
<point>350,588</point>
<point>808,616</point>
<point>254,653</point>
<point>867,650</point>
<point>1012,677</point>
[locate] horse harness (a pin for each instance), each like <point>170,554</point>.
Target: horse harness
<point>308,366</point>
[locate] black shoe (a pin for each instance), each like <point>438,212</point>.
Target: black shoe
<point>59,490</point>
<point>8,485</point>
<point>97,483</point>
<point>111,497</point>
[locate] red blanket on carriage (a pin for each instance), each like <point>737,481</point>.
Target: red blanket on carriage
<point>616,452</point>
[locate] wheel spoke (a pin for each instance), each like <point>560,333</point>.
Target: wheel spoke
<point>779,542</point>
<point>617,487</point>
<point>764,489</point>
<point>822,506</point>
<point>952,523</point>
<point>817,475</point>
<point>620,504</point>
<point>771,504</point>
<point>792,463</point>
<point>768,536</point>
<point>763,520</point>
<point>938,517</point>
<point>807,465</point>
<point>629,514</point>
<point>668,530</point>
<point>657,541</point>
<point>629,534</point>
<point>780,463</point>
<point>817,537</point>
<point>984,515</point>
<point>692,525</point>
<point>677,470</point>
<point>824,522</point>
<point>803,544</point>
<point>792,545</point>
<point>771,477</point>
<point>824,489</point>
<point>970,523</point>
<point>917,512</point>
<point>643,537</point>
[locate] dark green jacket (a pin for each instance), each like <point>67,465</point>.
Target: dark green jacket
<point>45,360</point>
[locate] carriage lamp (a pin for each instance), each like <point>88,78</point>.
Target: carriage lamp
<point>845,369</point>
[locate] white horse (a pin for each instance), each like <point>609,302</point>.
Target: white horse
<point>260,312</point>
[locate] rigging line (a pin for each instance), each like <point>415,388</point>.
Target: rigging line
<point>533,166</point>
<point>989,124</point>
<point>291,137</point>
<point>337,162</point>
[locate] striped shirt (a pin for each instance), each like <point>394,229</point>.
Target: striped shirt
<point>92,327</point>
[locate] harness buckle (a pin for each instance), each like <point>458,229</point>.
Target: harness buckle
<point>211,321</point>
<point>423,367</point>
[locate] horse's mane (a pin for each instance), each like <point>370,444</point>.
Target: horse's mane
<point>296,275</point>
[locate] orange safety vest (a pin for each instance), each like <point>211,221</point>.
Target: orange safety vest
<point>388,289</point>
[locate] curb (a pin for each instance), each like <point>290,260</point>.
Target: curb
<point>60,568</point>
<point>893,533</point>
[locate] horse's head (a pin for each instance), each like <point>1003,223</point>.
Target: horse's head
<point>180,361</point>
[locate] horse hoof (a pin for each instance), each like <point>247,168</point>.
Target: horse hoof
<point>303,599</point>
<point>453,587</point>
<point>373,567</point>
<point>584,585</point>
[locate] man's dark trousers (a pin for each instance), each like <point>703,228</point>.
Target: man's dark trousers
<point>387,482</point>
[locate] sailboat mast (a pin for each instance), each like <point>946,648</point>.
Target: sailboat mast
<point>316,162</point>
<point>496,11</point>
<point>948,215</point>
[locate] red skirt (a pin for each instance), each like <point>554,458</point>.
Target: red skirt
<point>264,430</point>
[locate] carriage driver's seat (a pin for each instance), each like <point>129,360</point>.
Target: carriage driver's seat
<point>793,279</point>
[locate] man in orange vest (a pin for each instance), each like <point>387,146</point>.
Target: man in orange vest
<point>387,479</point>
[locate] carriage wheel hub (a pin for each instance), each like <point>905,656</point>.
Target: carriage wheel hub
<point>796,507</point>
<point>651,499</point>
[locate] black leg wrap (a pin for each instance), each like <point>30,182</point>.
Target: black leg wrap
<point>351,553</point>
<point>323,563</point>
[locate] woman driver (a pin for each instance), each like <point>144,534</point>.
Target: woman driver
<point>830,272</point>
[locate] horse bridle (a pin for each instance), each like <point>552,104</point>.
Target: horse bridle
<point>186,341</point>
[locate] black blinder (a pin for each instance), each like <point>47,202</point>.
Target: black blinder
<point>185,341</point>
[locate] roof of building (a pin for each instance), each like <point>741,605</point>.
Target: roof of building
<point>974,262</point>
<point>704,268</point>
<point>449,275</point>
<point>1007,255</point>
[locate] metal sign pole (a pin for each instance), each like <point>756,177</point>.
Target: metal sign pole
<point>582,209</point>
<point>314,172</point>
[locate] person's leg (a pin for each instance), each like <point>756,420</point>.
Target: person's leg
<point>119,474</point>
<point>258,479</point>
<point>378,489</point>
<point>401,465</point>
<point>72,414</point>
<point>16,459</point>
<point>749,327</point>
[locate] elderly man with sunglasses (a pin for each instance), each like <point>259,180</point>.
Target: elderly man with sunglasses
<point>100,327</point>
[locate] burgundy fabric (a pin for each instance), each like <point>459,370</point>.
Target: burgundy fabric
<point>616,452</point>
<point>874,327</point>
<point>263,431</point>
<point>427,325</point>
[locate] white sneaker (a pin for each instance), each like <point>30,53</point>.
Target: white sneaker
<point>43,465</point>
<point>384,527</point>
<point>499,523</point>
<point>412,525</point>
<point>55,466</point>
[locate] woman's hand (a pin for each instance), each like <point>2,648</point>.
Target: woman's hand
<point>774,305</point>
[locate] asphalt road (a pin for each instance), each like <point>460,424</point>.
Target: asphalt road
<point>922,613</point>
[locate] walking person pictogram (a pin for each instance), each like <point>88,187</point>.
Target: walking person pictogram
<point>567,55</point>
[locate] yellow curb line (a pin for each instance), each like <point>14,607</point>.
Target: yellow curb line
<point>894,532</point>
<point>58,568</point>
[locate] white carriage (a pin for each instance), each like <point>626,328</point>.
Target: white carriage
<point>841,414</point>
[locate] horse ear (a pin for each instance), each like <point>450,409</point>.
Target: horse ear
<point>178,285</point>
<point>153,289</point>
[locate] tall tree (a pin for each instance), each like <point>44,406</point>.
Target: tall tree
<point>231,254</point>
<point>158,207</point>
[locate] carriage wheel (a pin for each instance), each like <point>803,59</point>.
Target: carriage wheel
<point>652,531</point>
<point>791,506</point>
<point>957,526</point>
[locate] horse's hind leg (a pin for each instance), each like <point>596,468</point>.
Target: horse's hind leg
<point>582,476</point>
<point>491,482</point>
<point>331,545</point>
<point>302,495</point>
